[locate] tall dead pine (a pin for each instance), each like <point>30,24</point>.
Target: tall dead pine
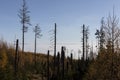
<point>37,31</point>
<point>55,45</point>
<point>25,20</point>
<point>83,41</point>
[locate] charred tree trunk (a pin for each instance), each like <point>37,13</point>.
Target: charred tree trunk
<point>16,59</point>
<point>62,61</point>
<point>48,66</point>
<point>58,65</point>
<point>71,60</point>
<point>67,66</point>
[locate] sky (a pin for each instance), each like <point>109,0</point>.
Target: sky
<point>69,15</point>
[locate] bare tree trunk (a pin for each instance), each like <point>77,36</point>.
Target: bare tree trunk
<point>23,39</point>
<point>62,60</point>
<point>55,46</point>
<point>48,66</point>
<point>86,37</point>
<point>16,60</point>
<point>71,60</point>
<point>58,65</point>
<point>35,51</point>
<point>83,41</point>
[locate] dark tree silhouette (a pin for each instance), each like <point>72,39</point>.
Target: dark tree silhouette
<point>86,41</point>
<point>16,59</point>
<point>58,64</point>
<point>62,61</point>
<point>83,41</point>
<point>48,78</point>
<point>100,35</point>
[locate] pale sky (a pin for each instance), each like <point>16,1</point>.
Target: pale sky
<point>69,15</point>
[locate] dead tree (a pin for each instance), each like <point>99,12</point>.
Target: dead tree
<point>58,65</point>
<point>16,59</point>
<point>38,34</point>
<point>25,20</point>
<point>112,31</point>
<point>83,41</point>
<point>71,60</point>
<point>48,78</point>
<point>100,35</point>
<point>55,45</point>
<point>62,61</point>
<point>86,41</point>
<point>53,38</point>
